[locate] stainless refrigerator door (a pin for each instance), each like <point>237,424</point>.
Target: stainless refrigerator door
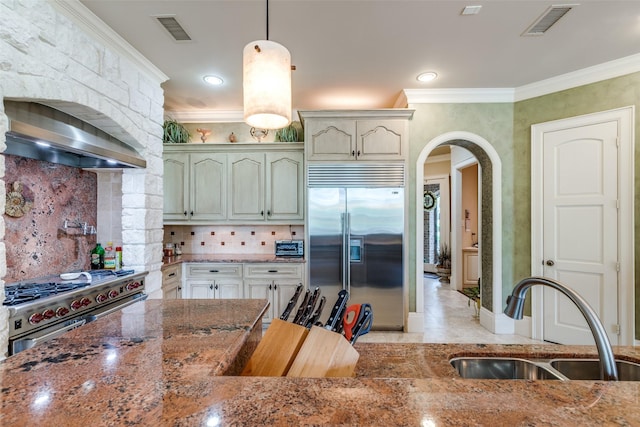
<point>376,226</point>
<point>325,251</point>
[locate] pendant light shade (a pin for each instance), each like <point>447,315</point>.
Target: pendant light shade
<point>266,85</point>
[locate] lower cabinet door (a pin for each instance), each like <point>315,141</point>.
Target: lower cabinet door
<point>228,288</point>
<point>261,289</point>
<point>199,289</point>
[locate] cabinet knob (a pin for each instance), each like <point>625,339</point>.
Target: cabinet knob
<point>185,213</point>
<point>216,286</point>
<point>358,153</point>
<point>550,262</point>
<point>269,287</point>
<point>214,271</point>
<point>211,287</point>
<point>261,213</point>
<point>353,153</point>
<point>272,271</point>
<point>191,213</point>
<point>275,287</point>
<point>268,213</point>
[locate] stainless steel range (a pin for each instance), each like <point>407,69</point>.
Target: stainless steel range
<point>45,308</point>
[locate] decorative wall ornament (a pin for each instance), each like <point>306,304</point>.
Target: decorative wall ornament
<point>429,200</point>
<point>19,200</point>
<point>258,134</point>
<point>204,133</point>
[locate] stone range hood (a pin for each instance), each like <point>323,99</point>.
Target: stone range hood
<point>43,133</point>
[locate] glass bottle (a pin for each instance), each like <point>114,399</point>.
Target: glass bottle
<point>97,257</point>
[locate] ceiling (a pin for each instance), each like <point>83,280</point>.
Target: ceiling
<point>361,54</point>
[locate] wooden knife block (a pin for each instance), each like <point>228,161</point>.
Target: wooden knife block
<point>277,349</point>
<point>324,354</point>
<point>292,350</point>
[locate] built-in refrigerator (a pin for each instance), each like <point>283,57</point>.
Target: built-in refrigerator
<point>355,242</point>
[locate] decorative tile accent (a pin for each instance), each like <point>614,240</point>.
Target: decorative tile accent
<point>222,243</point>
<point>201,243</point>
<point>242,243</point>
<point>213,233</point>
<point>273,233</point>
<point>262,243</point>
<point>173,233</point>
<point>233,233</point>
<point>193,233</point>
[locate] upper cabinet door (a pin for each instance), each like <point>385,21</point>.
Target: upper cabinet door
<point>246,181</point>
<point>333,139</point>
<point>208,186</point>
<point>381,140</point>
<point>285,186</point>
<point>176,187</point>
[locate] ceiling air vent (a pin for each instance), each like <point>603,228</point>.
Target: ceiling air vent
<point>173,27</point>
<point>548,18</point>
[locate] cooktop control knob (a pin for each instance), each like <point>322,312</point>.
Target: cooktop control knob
<point>101,298</point>
<point>85,301</point>
<point>48,314</point>
<point>131,286</point>
<point>75,304</point>
<point>62,311</point>
<point>113,293</point>
<point>36,318</point>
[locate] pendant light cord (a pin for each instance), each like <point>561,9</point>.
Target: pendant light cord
<point>267,19</point>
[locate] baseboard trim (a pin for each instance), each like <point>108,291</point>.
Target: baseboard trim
<point>524,327</point>
<point>415,322</point>
<point>498,324</point>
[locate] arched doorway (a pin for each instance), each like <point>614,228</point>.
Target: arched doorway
<point>491,316</point>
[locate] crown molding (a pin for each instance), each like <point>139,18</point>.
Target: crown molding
<point>458,96</point>
<point>607,70</point>
<point>94,26</point>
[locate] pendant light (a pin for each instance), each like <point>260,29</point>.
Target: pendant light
<point>266,82</point>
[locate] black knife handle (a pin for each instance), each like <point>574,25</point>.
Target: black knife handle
<point>335,319</point>
<point>292,303</point>
<point>314,318</point>
<point>311,303</point>
<point>303,307</point>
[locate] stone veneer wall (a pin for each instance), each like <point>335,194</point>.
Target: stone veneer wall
<point>47,57</point>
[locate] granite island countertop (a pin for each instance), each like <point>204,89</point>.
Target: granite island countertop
<point>169,363</point>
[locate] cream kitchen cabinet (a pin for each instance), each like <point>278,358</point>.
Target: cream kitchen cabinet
<point>234,183</point>
<point>266,186</point>
<point>213,280</point>
<point>275,282</point>
<point>356,135</point>
<point>172,282</point>
<point>470,271</point>
<point>195,186</point>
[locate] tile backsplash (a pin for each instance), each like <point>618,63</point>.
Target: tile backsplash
<point>230,239</point>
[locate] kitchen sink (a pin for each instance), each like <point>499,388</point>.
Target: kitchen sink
<point>505,368</point>
<point>589,369</point>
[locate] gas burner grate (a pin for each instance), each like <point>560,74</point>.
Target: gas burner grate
<point>25,292</point>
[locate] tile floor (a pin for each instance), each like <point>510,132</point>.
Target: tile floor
<point>448,319</point>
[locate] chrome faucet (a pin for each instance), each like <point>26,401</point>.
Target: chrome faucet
<point>515,306</point>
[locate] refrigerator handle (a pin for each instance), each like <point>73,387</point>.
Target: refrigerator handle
<point>347,252</point>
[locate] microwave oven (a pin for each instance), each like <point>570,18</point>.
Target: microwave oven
<point>289,248</point>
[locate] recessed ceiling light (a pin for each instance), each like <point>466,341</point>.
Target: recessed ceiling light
<point>427,77</point>
<point>213,80</point>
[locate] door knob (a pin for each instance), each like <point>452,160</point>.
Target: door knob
<point>550,262</point>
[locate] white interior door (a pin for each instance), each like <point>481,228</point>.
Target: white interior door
<point>580,222</point>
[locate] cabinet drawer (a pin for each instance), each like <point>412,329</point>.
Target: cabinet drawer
<point>171,273</point>
<point>214,270</point>
<point>278,270</point>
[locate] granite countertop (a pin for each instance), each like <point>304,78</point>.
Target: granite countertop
<point>170,363</point>
<point>166,261</point>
